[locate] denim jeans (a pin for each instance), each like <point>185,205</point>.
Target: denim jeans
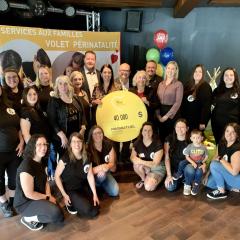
<point>192,175</point>
<point>221,178</point>
<point>181,166</point>
<point>108,183</point>
<point>174,186</point>
<point>52,161</point>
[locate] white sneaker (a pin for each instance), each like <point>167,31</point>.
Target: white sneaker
<point>186,190</point>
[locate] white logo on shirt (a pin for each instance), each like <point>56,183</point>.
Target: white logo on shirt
<point>152,155</point>
<point>234,96</point>
<point>106,158</point>
<point>225,157</point>
<point>86,168</point>
<point>11,111</point>
<point>190,98</point>
<point>141,155</point>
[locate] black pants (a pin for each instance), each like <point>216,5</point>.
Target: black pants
<point>9,162</point>
<point>45,211</point>
<point>83,204</point>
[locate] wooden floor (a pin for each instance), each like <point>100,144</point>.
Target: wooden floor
<point>143,215</point>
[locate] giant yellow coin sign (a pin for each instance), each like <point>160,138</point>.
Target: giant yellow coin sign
<point>121,115</point>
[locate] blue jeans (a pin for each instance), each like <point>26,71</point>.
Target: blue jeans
<point>181,166</point>
<point>52,161</point>
<point>108,183</point>
<point>192,175</point>
<point>174,186</point>
<point>221,178</point>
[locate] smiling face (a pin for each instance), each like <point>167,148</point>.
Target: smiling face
<point>90,61</point>
<point>44,76</point>
<point>41,148</point>
<point>97,135</point>
<point>76,144</point>
<point>141,80</point>
<point>106,74</point>
<point>229,78</point>
<point>230,134</point>
<point>181,129</point>
<point>12,80</point>
<point>197,75</point>
<point>77,81</point>
<point>171,71</point>
<point>151,68</point>
<point>32,97</point>
<point>124,72</point>
<point>62,87</point>
<point>147,132</point>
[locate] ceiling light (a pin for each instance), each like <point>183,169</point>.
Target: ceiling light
<point>37,7</point>
<point>4,6</point>
<point>70,11</point>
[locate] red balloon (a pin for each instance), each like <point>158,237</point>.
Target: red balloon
<point>161,38</point>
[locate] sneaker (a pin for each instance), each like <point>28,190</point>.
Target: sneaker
<point>6,209</point>
<point>195,189</point>
<point>176,176</point>
<point>34,226</point>
<point>216,194</point>
<point>71,209</point>
<point>186,190</point>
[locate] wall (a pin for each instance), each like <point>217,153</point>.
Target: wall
<point>206,35</point>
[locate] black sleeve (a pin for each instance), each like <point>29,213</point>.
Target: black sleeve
<point>52,110</point>
<point>25,114</point>
<point>205,98</point>
<point>158,145</point>
<point>26,166</point>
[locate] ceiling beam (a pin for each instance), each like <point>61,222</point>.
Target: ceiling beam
<point>224,2</point>
<point>113,3</point>
<point>183,7</point>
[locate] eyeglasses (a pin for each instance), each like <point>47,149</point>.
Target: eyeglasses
<point>42,144</point>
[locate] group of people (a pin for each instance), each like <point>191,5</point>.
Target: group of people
<point>47,125</point>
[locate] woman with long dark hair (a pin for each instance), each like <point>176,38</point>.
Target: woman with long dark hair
<point>73,174</point>
<point>197,99</point>
<point>103,158</point>
<point>147,153</point>
<point>225,167</point>
<point>34,200</point>
<point>226,102</point>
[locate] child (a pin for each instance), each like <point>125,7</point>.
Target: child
<point>196,154</point>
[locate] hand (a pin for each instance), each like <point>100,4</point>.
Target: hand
<point>144,99</point>
<point>202,126</point>
<point>20,148</point>
<point>67,200</point>
<point>82,131</point>
<point>97,101</point>
<point>104,167</point>
<point>27,82</point>
<point>168,181</point>
<point>52,199</point>
<point>194,165</point>
<point>95,200</point>
<point>203,167</point>
<point>164,118</point>
<point>101,174</point>
<point>64,140</point>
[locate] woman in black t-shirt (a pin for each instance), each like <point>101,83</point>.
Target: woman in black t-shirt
<point>226,101</point>
<point>13,87</point>
<point>103,158</point>
<point>225,168</point>
<point>33,196</point>
<point>173,150</point>
<point>197,99</point>
<point>73,174</point>
<point>11,148</point>
<point>146,156</point>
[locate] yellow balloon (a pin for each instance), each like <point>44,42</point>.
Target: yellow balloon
<point>160,70</point>
<point>121,115</point>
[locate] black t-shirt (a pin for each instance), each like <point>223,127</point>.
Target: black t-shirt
<point>14,99</point>
<point>226,152</point>
<point>9,127</point>
<point>72,119</point>
<point>74,175</point>
<point>37,171</point>
<point>37,119</point>
<point>104,154</point>
<point>147,153</point>
<point>44,95</point>
<point>176,151</point>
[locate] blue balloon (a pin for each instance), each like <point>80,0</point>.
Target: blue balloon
<point>166,55</point>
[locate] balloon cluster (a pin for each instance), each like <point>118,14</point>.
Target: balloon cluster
<point>163,55</point>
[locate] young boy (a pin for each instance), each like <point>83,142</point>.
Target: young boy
<point>196,154</point>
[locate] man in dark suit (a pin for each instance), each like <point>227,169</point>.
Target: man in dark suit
<point>90,73</point>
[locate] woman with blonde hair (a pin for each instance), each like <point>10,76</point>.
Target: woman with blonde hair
<point>170,93</point>
<point>65,113</point>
